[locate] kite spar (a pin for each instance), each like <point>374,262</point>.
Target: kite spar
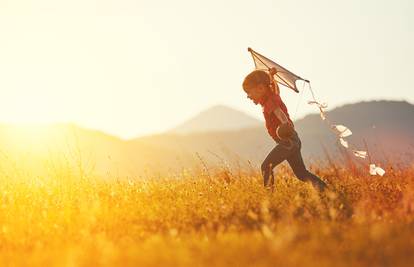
<point>288,79</point>
<point>282,75</point>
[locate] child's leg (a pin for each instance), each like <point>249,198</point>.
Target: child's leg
<point>298,166</point>
<point>278,154</point>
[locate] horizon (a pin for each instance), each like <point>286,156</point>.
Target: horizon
<point>133,68</point>
<point>30,125</point>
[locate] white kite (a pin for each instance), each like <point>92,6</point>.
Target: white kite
<point>282,75</point>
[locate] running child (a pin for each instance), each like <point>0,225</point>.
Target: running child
<point>262,89</point>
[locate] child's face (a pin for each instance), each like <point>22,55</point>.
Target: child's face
<point>257,92</point>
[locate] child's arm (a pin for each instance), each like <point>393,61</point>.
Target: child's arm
<point>281,115</point>
<point>286,129</point>
<point>273,84</point>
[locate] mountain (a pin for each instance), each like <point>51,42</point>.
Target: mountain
<point>216,118</point>
<point>49,149</point>
<point>385,128</point>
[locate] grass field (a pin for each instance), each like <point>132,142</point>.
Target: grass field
<point>214,218</point>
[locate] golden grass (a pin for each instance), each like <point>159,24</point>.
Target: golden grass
<point>219,219</point>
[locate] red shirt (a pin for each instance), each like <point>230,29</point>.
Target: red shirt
<point>270,102</point>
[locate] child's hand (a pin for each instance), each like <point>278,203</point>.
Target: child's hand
<point>285,131</point>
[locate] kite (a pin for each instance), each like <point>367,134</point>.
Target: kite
<point>287,78</point>
<point>282,76</point>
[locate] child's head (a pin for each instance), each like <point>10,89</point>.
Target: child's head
<point>256,85</point>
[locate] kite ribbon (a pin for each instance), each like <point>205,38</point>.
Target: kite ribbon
<point>341,132</point>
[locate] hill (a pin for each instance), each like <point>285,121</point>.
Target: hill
<point>44,148</point>
<point>216,118</point>
<point>385,126</point>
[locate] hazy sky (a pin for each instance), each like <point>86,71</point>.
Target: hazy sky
<point>135,67</point>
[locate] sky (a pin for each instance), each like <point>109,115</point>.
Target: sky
<point>133,68</point>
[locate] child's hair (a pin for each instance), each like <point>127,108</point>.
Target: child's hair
<point>255,78</point>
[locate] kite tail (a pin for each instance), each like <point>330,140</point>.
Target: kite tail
<point>341,132</point>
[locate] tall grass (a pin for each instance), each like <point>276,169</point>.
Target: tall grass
<point>207,216</point>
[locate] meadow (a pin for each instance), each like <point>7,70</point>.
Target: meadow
<point>206,216</point>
